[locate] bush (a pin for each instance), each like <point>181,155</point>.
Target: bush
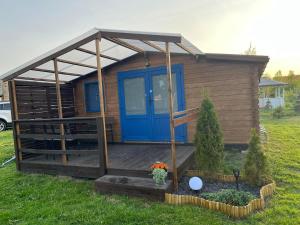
<point>268,105</point>
<point>230,196</point>
<point>278,112</point>
<point>208,139</point>
<point>297,105</point>
<point>255,167</point>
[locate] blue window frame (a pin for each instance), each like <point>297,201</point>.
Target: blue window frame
<point>92,100</point>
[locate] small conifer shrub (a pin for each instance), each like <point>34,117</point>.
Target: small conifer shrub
<point>256,172</point>
<point>278,112</point>
<point>208,139</point>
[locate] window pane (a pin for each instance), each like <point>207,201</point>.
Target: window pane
<point>134,90</point>
<point>160,94</point>
<point>1,106</point>
<point>6,106</point>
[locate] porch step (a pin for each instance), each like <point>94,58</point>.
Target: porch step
<point>132,186</point>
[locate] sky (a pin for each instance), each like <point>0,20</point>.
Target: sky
<point>32,27</point>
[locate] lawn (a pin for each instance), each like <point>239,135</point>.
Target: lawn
<point>41,199</point>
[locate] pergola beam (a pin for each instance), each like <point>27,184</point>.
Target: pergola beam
<point>37,79</point>
<point>172,122</point>
<point>60,112</point>
<point>184,48</point>
<point>125,44</point>
<point>16,117</point>
<point>93,53</point>
<point>76,63</point>
<point>153,46</point>
<point>100,89</point>
<point>138,35</point>
<point>59,72</point>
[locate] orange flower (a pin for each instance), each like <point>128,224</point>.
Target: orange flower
<point>159,165</point>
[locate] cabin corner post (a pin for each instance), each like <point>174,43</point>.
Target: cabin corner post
<point>171,110</point>
<point>16,126</point>
<point>60,112</point>
<point>100,89</point>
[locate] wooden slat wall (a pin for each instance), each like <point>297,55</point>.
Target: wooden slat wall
<point>38,100</point>
<point>232,87</point>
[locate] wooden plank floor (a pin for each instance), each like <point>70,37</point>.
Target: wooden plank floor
<point>140,157</point>
<point>125,157</point>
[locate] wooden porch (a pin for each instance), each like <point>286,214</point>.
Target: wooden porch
<point>124,159</point>
<point>82,156</point>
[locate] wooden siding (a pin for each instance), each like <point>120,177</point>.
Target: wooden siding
<point>232,86</point>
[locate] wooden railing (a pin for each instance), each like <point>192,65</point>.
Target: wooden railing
<point>42,139</point>
<point>185,116</point>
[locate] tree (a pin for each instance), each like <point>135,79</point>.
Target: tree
<point>291,73</point>
<point>251,50</point>
<point>291,79</point>
<point>297,104</point>
<point>278,74</point>
<point>208,139</point>
<point>255,166</point>
<point>267,76</point>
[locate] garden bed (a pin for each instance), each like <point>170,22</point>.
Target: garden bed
<point>213,186</point>
<point>185,196</point>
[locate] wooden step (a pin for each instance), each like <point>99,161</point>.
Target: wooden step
<point>132,186</point>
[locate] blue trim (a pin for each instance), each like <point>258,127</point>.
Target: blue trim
<point>147,73</point>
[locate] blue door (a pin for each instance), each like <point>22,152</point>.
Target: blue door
<point>143,97</point>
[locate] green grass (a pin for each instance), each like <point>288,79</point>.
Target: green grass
<point>41,199</point>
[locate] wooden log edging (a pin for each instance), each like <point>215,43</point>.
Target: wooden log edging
<point>230,210</point>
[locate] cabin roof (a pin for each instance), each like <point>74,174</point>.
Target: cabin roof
<point>77,57</point>
<point>264,82</point>
<point>116,45</point>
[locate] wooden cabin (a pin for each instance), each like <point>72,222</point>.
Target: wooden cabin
<point>143,110</point>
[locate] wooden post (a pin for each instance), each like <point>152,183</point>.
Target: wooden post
<point>16,125</point>
<point>172,125</point>
<point>100,87</point>
<point>60,112</point>
<point>102,162</point>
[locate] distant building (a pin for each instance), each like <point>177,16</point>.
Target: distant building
<point>4,95</point>
<point>271,93</point>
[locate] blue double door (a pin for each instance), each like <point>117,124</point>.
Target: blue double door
<point>144,109</point>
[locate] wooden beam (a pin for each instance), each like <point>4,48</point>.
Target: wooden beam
<point>186,111</point>
<point>139,35</point>
<point>184,48</point>
<point>101,55</point>
<point>59,72</point>
<point>154,46</point>
<point>37,79</point>
<point>172,125</point>
<point>17,125</point>
<point>100,85</point>
<point>125,44</point>
<point>186,119</point>
<point>76,63</point>
<point>60,112</point>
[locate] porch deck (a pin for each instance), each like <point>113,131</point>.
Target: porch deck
<point>124,159</point>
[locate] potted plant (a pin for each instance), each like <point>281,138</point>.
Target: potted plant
<point>159,172</point>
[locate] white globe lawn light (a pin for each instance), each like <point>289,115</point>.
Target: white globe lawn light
<point>196,184</point>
